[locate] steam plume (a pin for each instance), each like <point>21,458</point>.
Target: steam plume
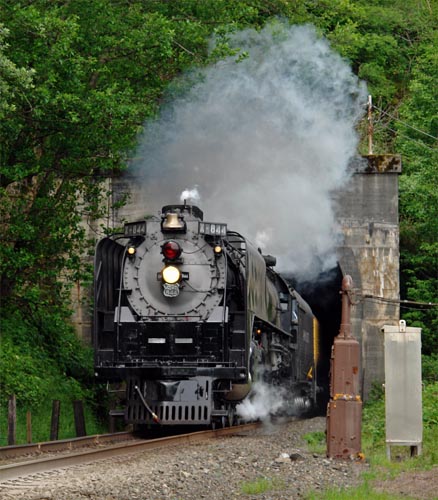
<point>265,140</point>
<point>265,400</point>
<point>190,195</point>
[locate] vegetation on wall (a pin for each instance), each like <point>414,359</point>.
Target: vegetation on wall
<point>79,79</point>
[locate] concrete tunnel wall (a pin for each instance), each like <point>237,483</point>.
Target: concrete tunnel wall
<point>367,212</point>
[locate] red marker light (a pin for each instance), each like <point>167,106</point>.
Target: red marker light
<point>171,250</point>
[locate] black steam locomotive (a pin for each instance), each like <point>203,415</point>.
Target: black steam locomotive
<point>189,314</point>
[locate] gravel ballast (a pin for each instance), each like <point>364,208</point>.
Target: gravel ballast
<point>214,469</point>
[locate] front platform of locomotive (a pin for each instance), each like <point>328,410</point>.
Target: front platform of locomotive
<point>161,320</point>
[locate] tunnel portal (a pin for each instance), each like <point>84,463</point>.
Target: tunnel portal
<point>323,296</point>
<point>367,214</point>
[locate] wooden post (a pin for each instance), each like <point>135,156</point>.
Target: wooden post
<point>54,424</point>
<point>28,427</point>
<point>12,420</point>
<point>370,125</point>
<point>78,409</point>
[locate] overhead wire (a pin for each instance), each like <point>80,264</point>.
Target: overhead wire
<point>404,123</point>
<point>410,139</point>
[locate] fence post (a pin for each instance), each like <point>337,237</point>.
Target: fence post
<point>54,424</point>
<point>28,427</point>
<point>78,409</point>
<point>12,420</point>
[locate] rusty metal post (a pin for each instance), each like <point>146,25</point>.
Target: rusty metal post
<point>344,412</point>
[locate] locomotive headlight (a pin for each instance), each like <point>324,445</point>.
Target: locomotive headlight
<point>171,275</point>
<point>131,251</point>
<point>217,250</point>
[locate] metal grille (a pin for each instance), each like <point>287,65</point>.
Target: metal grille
<point>171,413</point>
<point>177,402</point>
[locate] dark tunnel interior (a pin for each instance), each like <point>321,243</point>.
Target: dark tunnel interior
<point>323,296</point>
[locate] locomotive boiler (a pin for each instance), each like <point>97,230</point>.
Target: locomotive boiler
<point>188,314</point>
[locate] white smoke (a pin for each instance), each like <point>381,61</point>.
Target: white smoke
<point>190,195</point>
<point>262,238</point>
<point>265,140</point>
<point>263,402</point>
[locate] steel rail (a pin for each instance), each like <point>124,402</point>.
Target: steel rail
<point>14,451</point>
<point>20,469</point>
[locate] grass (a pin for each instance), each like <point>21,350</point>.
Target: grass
<point>261,485</point>
<point>364,491</point>
<point>316,442</point>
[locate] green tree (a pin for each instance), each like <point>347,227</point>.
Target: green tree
<point>99,70</point>
<point>418,144</point>
<point>78,80</point>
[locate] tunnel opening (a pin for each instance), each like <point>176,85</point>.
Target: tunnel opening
<point>323,296</point>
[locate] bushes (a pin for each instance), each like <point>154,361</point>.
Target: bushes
<point>430,368</point>
<point>41,359</point>
<point>41,362</point>
<point>373,424</point>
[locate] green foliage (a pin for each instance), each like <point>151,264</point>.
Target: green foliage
<point>430,407</point>
<point>360,493</point>
<point>41,419</point>
<point>429,366</point>
<point>373,431</point>
<point>77,82</point>
<point>418,194</point>
<point>13,80</point>
<point>373,423</point>
<point>260,485</point>
<point>42,359</point>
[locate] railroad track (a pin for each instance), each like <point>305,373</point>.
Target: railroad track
<point>8,452</point>
<point>11,472</point>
